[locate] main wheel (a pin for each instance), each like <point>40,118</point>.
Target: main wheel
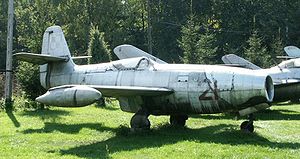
<point>140,122</point>
<point>178,120</point>
<point>247,126</point>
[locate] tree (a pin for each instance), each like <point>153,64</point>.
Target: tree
<point>167,18</point>
<point>98,48</point>
<point>276,49</point>
<point>3,34</point>
<point>256,52</point>
<point>32,18</point>
<point>206,49</point>
<point>198,48</point>
<point>189,40</point>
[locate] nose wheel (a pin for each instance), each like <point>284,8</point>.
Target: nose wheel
<point>248,126</point>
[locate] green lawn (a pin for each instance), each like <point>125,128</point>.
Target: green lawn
<point>92,132</point>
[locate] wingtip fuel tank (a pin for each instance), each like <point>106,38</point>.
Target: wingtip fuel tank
<point>70,96</point>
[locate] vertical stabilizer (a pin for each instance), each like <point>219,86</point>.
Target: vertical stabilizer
<point>55,44</point>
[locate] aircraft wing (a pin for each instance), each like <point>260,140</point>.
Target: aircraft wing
<point>39,58</point>
<point>128,51</point>
<point>131,90</point>
<point>232,59</point>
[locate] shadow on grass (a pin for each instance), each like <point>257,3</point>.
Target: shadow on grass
<point>67,128</point>
<point>166,135</point>
<point>279,114</point>
<point>45,114</point>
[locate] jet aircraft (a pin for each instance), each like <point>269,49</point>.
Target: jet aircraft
<point>147,85</point>
<point>286,75</point>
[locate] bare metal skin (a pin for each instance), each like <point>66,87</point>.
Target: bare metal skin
<point>286,75</point>
<point>145,86</point>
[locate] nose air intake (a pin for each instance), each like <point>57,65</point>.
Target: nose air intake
<point>269,88</point>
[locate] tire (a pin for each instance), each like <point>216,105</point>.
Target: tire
<point>247,126</point>
<point>178,120</point>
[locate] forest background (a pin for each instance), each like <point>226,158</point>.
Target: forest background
<point>176,31</point>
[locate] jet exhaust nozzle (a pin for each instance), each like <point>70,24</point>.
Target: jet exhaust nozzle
<point>269,89</point>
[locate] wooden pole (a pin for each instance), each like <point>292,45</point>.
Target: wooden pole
<point>8,74</point>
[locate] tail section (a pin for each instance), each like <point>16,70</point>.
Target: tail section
<point>292,51</point>
<point>55,45</point>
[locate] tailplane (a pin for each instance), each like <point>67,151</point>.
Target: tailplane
<point>55,57</point>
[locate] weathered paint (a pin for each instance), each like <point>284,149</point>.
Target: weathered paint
<point>196,88</point>
<point>286,75</point>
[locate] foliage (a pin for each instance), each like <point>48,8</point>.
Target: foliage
<point>225,27</point>
<point>198,48</point>
<point>28,77</point>
<point>3,34</point>
<point>98,48</point>
<point>276,49</point>
<point>189,40</point>
<point>32,19</point>
<point>206,49</point>
<point>256,52</point>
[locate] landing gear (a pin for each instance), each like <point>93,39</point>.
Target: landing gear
<point>140,121</point>
<point>178,120</point>
<point>247,126</point>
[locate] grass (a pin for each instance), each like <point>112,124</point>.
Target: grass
<point>92,132</point>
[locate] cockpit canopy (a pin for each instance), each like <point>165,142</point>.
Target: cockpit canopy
<point>293,63</point>
<point>133,63</point>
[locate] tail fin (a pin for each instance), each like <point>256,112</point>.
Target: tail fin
<point>55,45</point>
<point>54,42</point>
<point>292,51</point>
<point>239,61</point>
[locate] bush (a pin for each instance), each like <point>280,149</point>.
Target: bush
<point>28,78</point>
<point>21,103</point>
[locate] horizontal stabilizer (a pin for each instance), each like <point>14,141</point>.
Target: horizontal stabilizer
<point>129,51</point>
<point>285,57</point>
<point>81,57</point>
<point>39,58</point>
<point>233,59</point>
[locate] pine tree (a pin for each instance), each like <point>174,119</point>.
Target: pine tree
<point>276,49</point>
<point>256,52</point>
<point>189,40</point>
<point>197,48</point>
<point>98,48</point>
<point>206,49</point>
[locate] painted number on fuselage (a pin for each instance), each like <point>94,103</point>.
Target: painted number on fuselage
<point>214,90</point>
